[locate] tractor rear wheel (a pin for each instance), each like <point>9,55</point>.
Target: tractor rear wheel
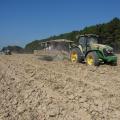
<point>92,59</point>
<point>76,55</point>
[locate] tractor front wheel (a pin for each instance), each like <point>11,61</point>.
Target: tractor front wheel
<point>92,59</point>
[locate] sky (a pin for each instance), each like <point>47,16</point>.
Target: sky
<point>22,21</point>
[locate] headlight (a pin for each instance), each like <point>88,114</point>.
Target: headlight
<point>108,52</point>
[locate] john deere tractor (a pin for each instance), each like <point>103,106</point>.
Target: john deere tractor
<point>90,51</point>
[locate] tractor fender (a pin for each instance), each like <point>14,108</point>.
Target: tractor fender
<point>73,47</point>
<point>79,47</point>
<point>91,51</point>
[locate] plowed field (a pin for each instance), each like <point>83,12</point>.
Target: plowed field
<point>34,89</point>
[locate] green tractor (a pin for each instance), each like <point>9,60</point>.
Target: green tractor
<point>90,51</point>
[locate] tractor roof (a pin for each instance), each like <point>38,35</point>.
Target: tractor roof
<point>87,35</point>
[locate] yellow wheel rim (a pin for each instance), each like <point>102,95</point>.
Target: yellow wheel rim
<point>74,57</point>
<point>90,60</point>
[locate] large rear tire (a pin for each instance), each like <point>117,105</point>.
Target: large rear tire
<point>92,59</point>
<point>76,55</point>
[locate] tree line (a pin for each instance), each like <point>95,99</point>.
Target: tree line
<point>109,34</point>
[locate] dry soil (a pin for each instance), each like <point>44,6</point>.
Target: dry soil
<point>34,89</point>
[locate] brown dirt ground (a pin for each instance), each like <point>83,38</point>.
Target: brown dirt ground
<point>33,89</point>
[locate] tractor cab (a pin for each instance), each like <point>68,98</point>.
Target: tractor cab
<point>87,41</point>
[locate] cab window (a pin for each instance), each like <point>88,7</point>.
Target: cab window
<point>82,41</point>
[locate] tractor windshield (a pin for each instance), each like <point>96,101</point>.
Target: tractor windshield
<point>92,40</point>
